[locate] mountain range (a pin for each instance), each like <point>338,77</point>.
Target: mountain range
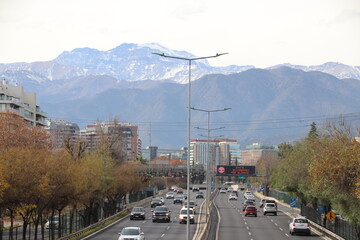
<point>129,82</point>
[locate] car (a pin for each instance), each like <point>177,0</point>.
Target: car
<point>230,189</point>
<point>223,190</point>
<point>199,195</point>
<point>138,213</point>
<point>53,222</point>
<point>233,196</point>
<point>178,199</point>
<point>155,202</point>
<point>270,201</point>
<point>248,194</point>
<point>247,203</point>
<point>250,210</point>
<point>131,233</point>
<point>179,191</point>
<point>170,195</point>
<point>262,202</point>
<point>192,205</point>
<point>183,215</point>
<point>299,224</point>
<point>162,200</point>
<point>270,208</point>
<point>161,213</point>
<point>196,189</point>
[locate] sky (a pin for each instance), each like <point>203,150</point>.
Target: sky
<point>261,33</point>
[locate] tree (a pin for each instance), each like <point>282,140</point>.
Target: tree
<point>15,132</point>
<point>313,134</point>
<point>335,170</point>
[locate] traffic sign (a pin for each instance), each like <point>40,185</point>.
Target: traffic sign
<point>331,215</point>
<point>293,202</point>
<point>249,185</point>
<point>240,170</point>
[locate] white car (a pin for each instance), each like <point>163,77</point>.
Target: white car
<point>131,233</point>
<point>54,222</point>
<point>170,195</point>
<point>192,205</point>
<point>299,225</point>
<point>270,208</point>
<point>222,190</point>
<point>183,216</point>
<point>233,196</point>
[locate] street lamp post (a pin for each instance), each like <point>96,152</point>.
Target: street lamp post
<point>208,153</point>
<point>189,136</point>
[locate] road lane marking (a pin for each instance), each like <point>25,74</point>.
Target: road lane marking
<point>162,235</point>
<point>281,229</point>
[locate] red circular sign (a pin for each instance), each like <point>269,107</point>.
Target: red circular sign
<point>221,170</point>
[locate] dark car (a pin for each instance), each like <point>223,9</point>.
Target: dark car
<point>137,213</point>
<point>178,199</point>
<point>247,203</point>
<point>161,213</point>
<point>250,210</point>
<point>199,195</point>
<point>196,189</point>
<point>155,202</point>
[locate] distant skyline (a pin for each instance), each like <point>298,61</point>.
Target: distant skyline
<point>261,33</point>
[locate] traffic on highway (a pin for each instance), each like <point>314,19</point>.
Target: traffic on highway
<point>244,216</point>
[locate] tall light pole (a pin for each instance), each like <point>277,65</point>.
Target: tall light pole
<point>189,136</point>
<point>208,153</point>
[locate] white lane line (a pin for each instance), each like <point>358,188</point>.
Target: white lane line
<point>281,229</point>
<point>287,235</point>
<point>249,233</point>
<point>162,235</point>
<point>168,227</point>
<point>276,224</point>
<point>247,228</point>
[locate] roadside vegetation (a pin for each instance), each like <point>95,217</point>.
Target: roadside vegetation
<point>37,181</point>
<point>323,169</point>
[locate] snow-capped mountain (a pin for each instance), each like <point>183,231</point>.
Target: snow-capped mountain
<point>129,62</point>
<point>336,69</point>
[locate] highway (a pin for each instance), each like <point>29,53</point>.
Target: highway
<point>234,224</point>
<point>153,231</point>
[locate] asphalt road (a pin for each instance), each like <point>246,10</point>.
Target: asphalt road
<point>234,224</point>
<point>154,231</point>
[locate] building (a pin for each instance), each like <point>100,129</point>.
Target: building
<point>256,151</point>
<point>62,131</point>
<point>14,99</point>
<point>221,151</point>
<point>121,136</point>
<point>152,152</point>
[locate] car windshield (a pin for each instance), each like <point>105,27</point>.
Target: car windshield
<point>301,221</point>
<point>185,212</point>
<point>138,210</point>
<point>270,205</point>
<point>130,231</point>
<point>164,209</point>
<point>250,208</point>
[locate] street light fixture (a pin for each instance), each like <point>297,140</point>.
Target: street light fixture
<point>189,136</point>
<point>208,152</point>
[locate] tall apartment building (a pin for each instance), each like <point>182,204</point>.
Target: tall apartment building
<point>130,143</point>
<point>220,151</point>
<point>61,131</point>
<point>256,151</point>
<point>16,100</point>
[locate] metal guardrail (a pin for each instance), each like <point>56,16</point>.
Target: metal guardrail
<point>102,222</point>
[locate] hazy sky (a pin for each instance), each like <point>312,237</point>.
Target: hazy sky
<point>255,32</point>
